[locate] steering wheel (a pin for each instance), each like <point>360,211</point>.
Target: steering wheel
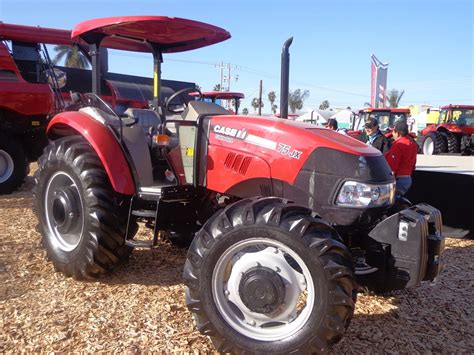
<point>180,93</point>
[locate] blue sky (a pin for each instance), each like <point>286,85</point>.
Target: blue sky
<point>429,45</point>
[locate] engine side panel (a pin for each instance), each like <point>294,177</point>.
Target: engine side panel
<point>284,146</point>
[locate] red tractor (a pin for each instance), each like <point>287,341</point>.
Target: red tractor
<point>219,96</point>
<point>27,100</point>
<point>33,90</point>
<point>454,132</point>
<point>386,117</point>
<point>286,219</point>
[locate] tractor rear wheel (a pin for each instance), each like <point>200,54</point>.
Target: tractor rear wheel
<point>434,143</point>
<point>453,143</point>
<point>265,276</point>
<point>13,164</point>
<point>80,216</point>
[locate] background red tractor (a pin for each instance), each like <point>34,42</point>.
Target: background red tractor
<point>33,90</point>
<point>231,98</point>
<point>386,117</point>
<point>286,219</point>
<point>454,132</point>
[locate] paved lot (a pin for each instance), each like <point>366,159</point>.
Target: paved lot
<point>446,163</point>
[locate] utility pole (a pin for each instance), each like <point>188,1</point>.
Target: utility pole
<point>222,76</point>
<point>260,98</point>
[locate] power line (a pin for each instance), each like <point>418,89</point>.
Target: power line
<point>408,85</point>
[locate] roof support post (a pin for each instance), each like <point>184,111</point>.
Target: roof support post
<point>94,52</point>
<point>157,60</point>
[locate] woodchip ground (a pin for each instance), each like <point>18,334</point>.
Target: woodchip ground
<point>141,306</point>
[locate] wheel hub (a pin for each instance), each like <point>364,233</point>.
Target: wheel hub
<point>262,290</point>
<point>63,211</point>
<point>6,166</point>
<point>65,208</point>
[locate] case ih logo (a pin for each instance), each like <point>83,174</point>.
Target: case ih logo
<point>231,132</point>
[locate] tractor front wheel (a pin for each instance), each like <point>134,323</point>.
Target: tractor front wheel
<point>80,216</point>
<point>265,276</point>
<point>434,143</point>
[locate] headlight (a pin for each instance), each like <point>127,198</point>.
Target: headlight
<point>357,194</point>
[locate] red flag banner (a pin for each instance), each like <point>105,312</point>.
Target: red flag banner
<point>378,87</point>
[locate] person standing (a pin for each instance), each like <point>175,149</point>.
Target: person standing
<point>402,157</point>
<point>331,123</point>
<point>374,137</point>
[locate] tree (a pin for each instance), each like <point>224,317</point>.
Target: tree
<point>256,103</point>
<point>296,99</point>
<point>324,105</point>
<point>394,97</point>
<point>72,57</point>
<point>245,111</point>
<point>217,87</point>
<point>272,98</point>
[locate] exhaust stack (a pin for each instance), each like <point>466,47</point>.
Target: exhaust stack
<point>285,77</point>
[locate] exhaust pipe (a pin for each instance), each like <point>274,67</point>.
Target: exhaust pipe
<point>285,77</point>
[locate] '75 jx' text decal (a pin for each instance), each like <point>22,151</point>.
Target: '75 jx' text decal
<point>285,149</point>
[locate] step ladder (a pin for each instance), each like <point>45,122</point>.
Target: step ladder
<point>151,194</point>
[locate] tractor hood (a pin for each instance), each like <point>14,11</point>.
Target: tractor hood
<point>136,33</point>
<point>279,157</point>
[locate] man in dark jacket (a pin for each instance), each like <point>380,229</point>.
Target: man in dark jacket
<point>374,137</point>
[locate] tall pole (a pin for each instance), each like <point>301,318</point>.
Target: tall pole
<point>260,98</point>
<point>222,76</point>
<point>285,78</point>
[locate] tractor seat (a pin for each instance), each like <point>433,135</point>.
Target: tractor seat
<point>145,118</point>
<point>151,124</point>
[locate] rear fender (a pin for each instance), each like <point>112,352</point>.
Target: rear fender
<point>104,143</point>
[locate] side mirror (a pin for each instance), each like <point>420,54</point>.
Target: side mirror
<point>428,111</point>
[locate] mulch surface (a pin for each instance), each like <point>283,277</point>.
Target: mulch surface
<point>141,306</point>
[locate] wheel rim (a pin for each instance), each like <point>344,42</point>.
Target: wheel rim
<point>428,146</point>
<point>64,211</point>
<point>6,166</point>
<point>247,284</point>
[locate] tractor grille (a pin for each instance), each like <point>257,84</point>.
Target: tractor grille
<point>238,163</point>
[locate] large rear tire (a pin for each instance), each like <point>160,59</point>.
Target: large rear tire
<point>434,143</point>
<point>81,218</point>
<point>13,165</point>
<point>453,143</point>
<point>264,276</point>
